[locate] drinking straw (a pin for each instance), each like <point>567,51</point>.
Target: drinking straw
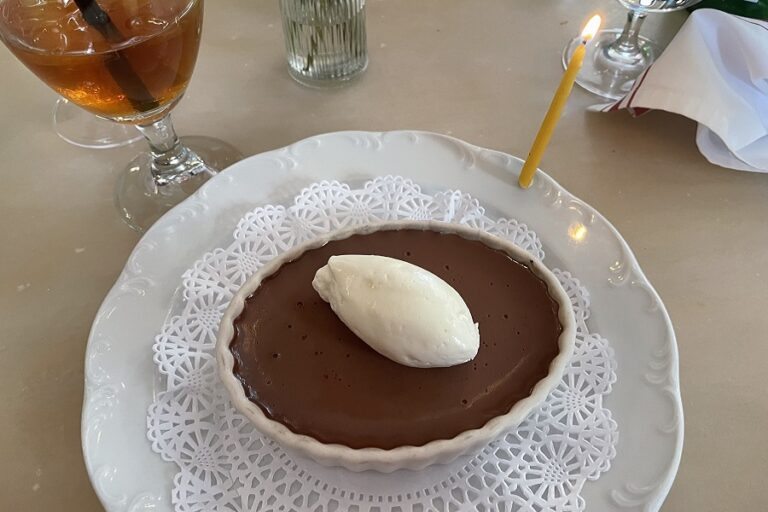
<point>118,66</point>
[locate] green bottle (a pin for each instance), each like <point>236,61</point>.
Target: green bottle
<point>757,9</point>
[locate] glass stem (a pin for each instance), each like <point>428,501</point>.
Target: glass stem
<point>627,45</point>
<point>172,162</point>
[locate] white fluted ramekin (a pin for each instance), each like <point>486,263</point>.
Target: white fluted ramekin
<point>403,457</point>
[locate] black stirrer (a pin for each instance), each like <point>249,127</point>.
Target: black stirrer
<point>119,67</point>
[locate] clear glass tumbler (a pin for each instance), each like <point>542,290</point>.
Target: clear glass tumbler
<point>325,40</point>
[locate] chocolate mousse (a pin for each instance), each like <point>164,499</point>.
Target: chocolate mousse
<point>305,369</point>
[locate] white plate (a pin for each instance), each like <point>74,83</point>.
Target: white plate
<point>121,377</point>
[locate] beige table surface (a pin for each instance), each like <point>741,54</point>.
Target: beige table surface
<point>481,71</point>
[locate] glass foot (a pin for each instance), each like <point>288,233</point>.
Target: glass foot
<point>607,71</point>
<point>141,201</point>
<point>86,130</point>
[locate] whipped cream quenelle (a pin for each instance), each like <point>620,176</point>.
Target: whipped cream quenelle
<point>400,310</point>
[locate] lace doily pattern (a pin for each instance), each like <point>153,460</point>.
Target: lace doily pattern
<point>224,464</point>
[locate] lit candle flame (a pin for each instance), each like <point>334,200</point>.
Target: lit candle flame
<point>556,109</point>
<point>591,28</point>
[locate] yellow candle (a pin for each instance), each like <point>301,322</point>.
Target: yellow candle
<point>557,105</point>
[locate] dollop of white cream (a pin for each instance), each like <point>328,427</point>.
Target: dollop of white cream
<point>402,311</point>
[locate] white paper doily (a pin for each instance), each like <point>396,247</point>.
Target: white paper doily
<point>224,464</point>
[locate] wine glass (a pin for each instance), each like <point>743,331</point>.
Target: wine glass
<point>128,61</point>
<point>83,129</point>
<point>616,57</point>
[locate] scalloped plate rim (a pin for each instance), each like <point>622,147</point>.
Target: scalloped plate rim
<point>658,491</point>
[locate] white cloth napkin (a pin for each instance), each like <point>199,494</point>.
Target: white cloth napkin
<point>715,72</point>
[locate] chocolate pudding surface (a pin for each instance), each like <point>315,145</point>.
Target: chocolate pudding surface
<point>305,369</point>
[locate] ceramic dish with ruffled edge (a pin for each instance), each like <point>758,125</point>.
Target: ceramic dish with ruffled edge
<point>439,451</point>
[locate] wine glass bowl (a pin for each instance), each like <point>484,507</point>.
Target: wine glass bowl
<point>129,67</point>
<point>86,130</point>
<point>650,6</point>
<point>128,61</point>
<point>617,57</point>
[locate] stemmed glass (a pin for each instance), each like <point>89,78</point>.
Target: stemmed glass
<point>615,58</point>
<point>128,61</point>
